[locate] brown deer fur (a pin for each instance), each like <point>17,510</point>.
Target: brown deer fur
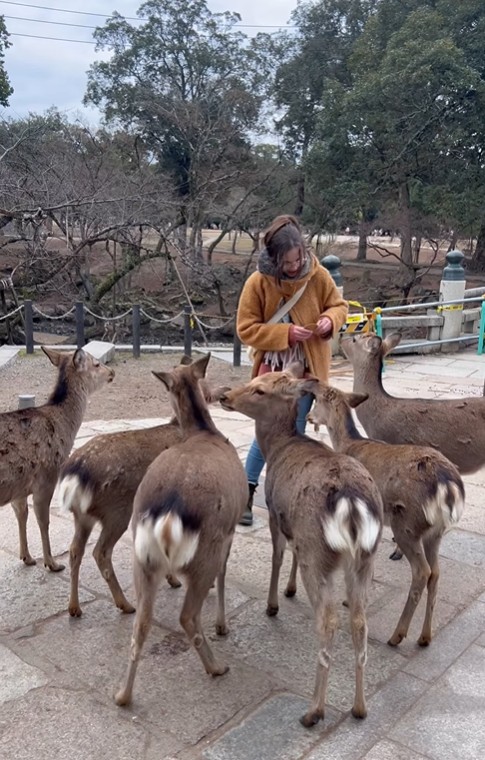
<point>35,442</point>
<point>328,508</point>
<point>456,427</point>
<point>98,484</point>
<point>421,490</point>
<point>184,516</point>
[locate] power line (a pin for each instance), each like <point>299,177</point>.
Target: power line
<point>57,39</point>
<point>44,21</point>
<point>130,18</point>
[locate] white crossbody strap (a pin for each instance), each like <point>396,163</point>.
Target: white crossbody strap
<point>287,306</point>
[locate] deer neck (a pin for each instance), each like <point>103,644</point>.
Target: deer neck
<point>276,427</point>
<point>342,429</point>
<point>193,413</point>
<point>369,380</point>
<point>68,403</point>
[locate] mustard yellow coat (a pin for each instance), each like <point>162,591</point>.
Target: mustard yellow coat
<point>261,298</point>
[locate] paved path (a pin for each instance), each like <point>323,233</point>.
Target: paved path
<point>58,675</point>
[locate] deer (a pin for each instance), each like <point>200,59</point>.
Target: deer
<point>98,483</point>
<point>36,441</point>
<point>422,493</point>
<point>456,427</point>
<point>329,510</point>
<point>185,513</point>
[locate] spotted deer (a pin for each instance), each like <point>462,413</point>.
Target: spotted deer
<point>327,507</point>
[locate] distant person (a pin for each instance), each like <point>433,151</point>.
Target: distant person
<point>286,266</point>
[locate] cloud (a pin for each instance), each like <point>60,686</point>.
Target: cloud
<point>46,73</point>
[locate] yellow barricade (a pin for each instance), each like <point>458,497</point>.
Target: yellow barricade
<point>358,323</point>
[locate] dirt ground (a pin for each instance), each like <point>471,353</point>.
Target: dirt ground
<point>134,394</point>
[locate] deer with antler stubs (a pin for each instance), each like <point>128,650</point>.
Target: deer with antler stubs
<point>327,507</point>
<point>34,443</point>
<point>422,493</point>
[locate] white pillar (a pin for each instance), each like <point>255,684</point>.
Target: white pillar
<point>452,288</point>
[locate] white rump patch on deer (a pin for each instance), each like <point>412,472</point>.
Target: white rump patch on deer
<point>73,494</point>
<point>165,542</point>
<point>336,527</point>
<point>437,511</point>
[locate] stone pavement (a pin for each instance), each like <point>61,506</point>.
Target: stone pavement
<point>58,675</point>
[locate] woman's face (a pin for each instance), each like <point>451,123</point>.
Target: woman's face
<point>292,262</point>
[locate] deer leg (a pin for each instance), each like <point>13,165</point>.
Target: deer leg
<point>111,532</point>
<point>414,553</point>
<point>221,625</point>
<point>327,623</point>
<point>197,590</point>
<point>290,589</point>
<point>42,502</point>
<point>431,548</point>
<point>279,544</point>
<point>76,553</point>
<point>173,581</point>
<point>22,512</point>
<point>358,581</point>
<point>146,584</point>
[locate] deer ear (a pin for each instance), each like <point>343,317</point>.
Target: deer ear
<point>200,366</point>
<point>80,359</point>
<point>354,399</point>
<point>390,342</point>
<point>53,355</point>
<point>165,377</point>
<point>296,369</point>
<point>309,385</point>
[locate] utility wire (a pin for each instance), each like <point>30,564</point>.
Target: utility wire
<point>132,18</point>
<point>57,39</point>
<point>44,21</point>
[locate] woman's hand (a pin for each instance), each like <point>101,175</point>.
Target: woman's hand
<point>299,334</point>
<point>324,328</point>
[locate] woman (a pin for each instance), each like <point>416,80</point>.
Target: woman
<point>303,334</point>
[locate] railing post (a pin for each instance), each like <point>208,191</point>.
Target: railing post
<point>481,332</point>
<point>29,327</point>
<point>136,330</point>
<point>452,288</point>
<point>80,341</point>
<point>187,331</point>
<point>332,265</point>
<point>26,400</point>
<point>236,351</point>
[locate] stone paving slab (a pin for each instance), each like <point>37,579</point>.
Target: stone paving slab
<point>58,675</point>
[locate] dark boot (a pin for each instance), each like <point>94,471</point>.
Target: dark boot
<point>247,516</point>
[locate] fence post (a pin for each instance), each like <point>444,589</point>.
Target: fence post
<point>80,341</point>
<point>136,330</point>
<point>332,265</point>
<point>29,327</point>
<point>187,331</point>
<point>452,288</point>
<point>236,351</point>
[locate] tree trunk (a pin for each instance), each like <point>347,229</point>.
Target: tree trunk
<point>405,225</point>
<point>363,230</point>
<point>477,263</point>
<point>300,194</point>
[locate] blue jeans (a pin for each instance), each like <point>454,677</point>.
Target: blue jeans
<point>255,459</point>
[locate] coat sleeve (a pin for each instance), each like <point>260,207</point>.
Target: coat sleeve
<point>250,323</point>
<point>335,307</point>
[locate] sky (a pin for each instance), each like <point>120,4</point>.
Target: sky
<point>50,72</point>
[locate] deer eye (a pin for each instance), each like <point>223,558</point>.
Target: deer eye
<point>259,392</point>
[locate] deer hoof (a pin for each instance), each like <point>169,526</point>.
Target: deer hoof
<point>75,611</point>
<point>290,591</point>
<point>219,670</point>
<point>127,608</point>
<point>271,611</point>
<point>54,567</point>
<point>28,560</point>
<point>424,641</point>
<point>397,554</point>
<point>222,630</point>
<point>359,712</point>
<point>311,718</point>
<point>122,698</point>
<point>173,581</point>
<point>395,639</point>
